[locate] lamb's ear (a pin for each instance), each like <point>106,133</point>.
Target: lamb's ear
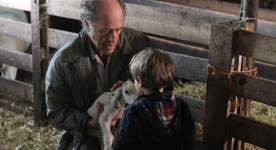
<point>116,95</point>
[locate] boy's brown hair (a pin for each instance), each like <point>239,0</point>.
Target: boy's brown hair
<point>154,67</point>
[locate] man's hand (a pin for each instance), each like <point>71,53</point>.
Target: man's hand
<point>116,85</point>
<point>93,124</point>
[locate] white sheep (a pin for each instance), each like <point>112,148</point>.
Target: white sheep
<point>112,102</point>
<point>7,71</point>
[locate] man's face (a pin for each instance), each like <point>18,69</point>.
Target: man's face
<point>107,29</point>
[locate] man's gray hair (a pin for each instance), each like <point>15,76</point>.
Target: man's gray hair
<point>90,10</point>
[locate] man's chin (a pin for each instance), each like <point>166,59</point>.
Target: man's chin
<point>108,51</point>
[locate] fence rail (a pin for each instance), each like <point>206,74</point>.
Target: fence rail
<point>256,88</point>
<point>227,42</point>
<point>17,88</point>
<point>16,59</point>
<point>252,131</point>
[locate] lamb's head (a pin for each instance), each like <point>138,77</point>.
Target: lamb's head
<point>126,93</point>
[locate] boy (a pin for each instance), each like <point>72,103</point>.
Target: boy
<point>156,120</point>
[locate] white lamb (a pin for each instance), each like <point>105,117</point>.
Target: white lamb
<point>112,102</point>
<point>7,71</point>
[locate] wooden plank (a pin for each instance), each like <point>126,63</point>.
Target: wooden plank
<point>224,7</point>
<point>264,27</point>
<point>57,38</point>
<point>196,106</point>
<point>256,88</point>
<point>36,48</point>
<point>178,47</point>
<point>178,24</point>
<point>16,59</point>
<point>257,46</point>
<point>16,108</point>
<point>17,4</point>
<point>190,68</point>
<point>17,88</point>
<point>67,9</point>
<point>217,110</point>
<point>221,47</point>
<point>15,29</point>
<point>251,131</point>
<point>175,21</point>
<point>218,90</point>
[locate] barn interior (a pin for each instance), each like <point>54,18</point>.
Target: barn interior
<point>189,31</point>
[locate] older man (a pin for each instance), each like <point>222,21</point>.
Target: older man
<point>87,66</point>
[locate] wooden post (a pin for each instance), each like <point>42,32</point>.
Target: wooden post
<point>249,14</point>
<point>217,105</point>
<point>39,38</point>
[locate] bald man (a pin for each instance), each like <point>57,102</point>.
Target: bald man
<point>97,60</point>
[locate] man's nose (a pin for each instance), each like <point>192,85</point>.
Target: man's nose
<point>111,35</point>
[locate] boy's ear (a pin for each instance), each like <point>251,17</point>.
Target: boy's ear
<point>139,81</point>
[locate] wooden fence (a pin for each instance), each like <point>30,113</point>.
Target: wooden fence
<point>183,31</point>
<point>221,124</point>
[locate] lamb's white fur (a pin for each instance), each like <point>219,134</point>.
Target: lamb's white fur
<point>7,71</point>
<point>112,102</point>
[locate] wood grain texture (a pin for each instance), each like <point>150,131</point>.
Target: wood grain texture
<point>257,46</point>
<point>256,88</point>
<point>251,131</point>
<point>17,88</point>
<point>16,59</point>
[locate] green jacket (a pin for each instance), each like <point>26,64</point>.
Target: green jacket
<point>70,81</point>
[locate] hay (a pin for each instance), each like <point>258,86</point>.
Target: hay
<point>258,111</point>
<point>20,132</point>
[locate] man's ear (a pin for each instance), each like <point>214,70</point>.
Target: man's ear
<point>86,24</point>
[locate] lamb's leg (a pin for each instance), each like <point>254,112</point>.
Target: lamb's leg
<point>104,122</point>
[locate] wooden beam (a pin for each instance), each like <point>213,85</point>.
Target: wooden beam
<point>196,106</point>
<point>264,27</point>
<point>17,88</point>
<point>221,47</point>
<point>16,29</point>
<point>57,38</point>
<point>218,90</point>
<point>223,7</point>
<point>256,88</point>
<point>17,4</point>
<point>13,107</point>
<point>174,21</point>
<point>39,113</point>
<point>256,46</point>
<point>251,131</point>
<point>177,47</point>
<point>67,9</point>
<point>190,68</point>
<point>17,59</point>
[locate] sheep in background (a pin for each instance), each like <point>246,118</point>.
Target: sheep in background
<point>7,71</point>
<point>113,102</point>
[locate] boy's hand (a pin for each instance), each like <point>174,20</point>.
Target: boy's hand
<point>116,85</point>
